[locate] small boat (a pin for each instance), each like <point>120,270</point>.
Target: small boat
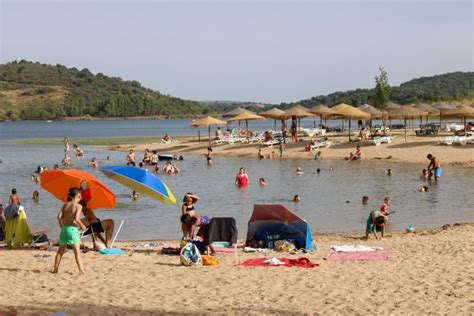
<point>49,121</point>
<point>165,157</point>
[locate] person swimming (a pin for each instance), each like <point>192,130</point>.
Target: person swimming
<point>424,175</point>
<point>296,198</point>
<point>389,172</point>
<point>365,200</point>
<point>35,197</point>
<point>134,195</point>
<point>318,171</point>
<point>260,154</point>
<point>262,182</point>
<point>299,171</point>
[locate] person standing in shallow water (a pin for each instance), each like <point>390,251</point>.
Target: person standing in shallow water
<point>242,178</point>
<point>434,168</point>
<point>209,156</point>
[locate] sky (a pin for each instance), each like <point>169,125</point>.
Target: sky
<point>262,51</point>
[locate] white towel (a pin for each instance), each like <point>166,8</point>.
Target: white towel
<point>273,262</point>
<point>352,248</point>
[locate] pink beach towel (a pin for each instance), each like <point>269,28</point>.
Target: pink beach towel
<point>260,262</point>
<point>359,256</point>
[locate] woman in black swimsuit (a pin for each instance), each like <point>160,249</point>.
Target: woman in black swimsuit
<point>188,209</point>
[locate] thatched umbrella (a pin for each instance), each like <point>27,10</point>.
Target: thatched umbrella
<point>246,117</point>
<point>442,106</point>
<point>208,121</point>
<point>373,111</point>
<point>297,111</point>
<point>426,107</point>
<point>322,111</point>
<point>406,112</point>
<point>236,112</point>
<point>274,113</point>
<point>462,112</point>
<point>350,112</point>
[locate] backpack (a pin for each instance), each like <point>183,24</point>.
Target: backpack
<point>190,255</point>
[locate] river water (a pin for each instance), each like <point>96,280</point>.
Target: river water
<point>330,201</point>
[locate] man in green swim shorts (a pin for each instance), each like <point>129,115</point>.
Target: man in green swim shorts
<point>69,218</point>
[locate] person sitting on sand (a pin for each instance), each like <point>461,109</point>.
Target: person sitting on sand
<point>146,157</point>
<point>14,198</point>
<point>355,156</point>
<point>166,139</point>
<point>35,197</point>
<point>299,171</point>
<point>209,156</point>
<point>218,132</point>
<point>377,221</point>
<point>242,178</point>
<point>94,163</point>
<point>262,182</point>
<point>69,220</point>
<point>97,227</point>
<point>318,156</point>
<point>131,161</point>
<point>434,168</point>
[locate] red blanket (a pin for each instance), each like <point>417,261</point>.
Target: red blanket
<point>300,262</point>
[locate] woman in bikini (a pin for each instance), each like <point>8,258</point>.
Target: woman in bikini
<point>188,210</point>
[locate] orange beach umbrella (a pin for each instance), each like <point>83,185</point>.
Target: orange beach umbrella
<point>58,182</point>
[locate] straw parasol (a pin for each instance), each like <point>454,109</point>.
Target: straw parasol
<point>426,107</point>
<point>274,113</point>
<point>373,111</point>
<point>442,106</point>
<point>208,121</point>
<point>297,111</point>
<point>462,112</point>
<point>236,111</point>
<point>246,117</point>
<point>392,106</point>
<point>406,112</point>
<point>348,111</point>
<point>322,111</point>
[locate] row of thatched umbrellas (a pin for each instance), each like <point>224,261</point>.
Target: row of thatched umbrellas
<point>344,111</point>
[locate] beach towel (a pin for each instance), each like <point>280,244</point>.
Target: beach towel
<point>17,231</point>
<point>111,251</point>
<point>352,248</point>
<point>359,256</point>
<point>283,262</point>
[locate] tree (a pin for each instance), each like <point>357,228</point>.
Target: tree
<point>382,89</point>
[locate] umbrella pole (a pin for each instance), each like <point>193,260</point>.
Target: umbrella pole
<point>275,124</point>
<point>440,118</point>
<point>209,134</point>
<point>321,122</point>
<point>247,128</point>
<point>349,129</point>
<point>117,233</point>
<point>405,129</point>
<point>199,135</point>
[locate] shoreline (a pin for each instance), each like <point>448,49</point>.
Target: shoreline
<point>413,151</point>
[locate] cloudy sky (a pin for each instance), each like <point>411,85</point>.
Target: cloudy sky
<point>266,51</point>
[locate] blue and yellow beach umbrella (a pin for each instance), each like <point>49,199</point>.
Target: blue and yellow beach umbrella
<point>141,181</point>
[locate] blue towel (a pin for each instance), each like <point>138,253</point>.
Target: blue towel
<point>111,251</point>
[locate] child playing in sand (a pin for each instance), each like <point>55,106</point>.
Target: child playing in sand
<point>69,217</point>
<point>376,222</point>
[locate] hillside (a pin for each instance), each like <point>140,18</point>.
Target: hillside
<point>446,87</point>
<point>38,91</point>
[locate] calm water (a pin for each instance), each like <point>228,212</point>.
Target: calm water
<point>123,128</point>
<point>323,196</point>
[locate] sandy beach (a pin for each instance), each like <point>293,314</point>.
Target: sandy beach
<point>414,150</point>
<point>428,273</point>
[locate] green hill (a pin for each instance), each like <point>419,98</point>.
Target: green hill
<point>37,91</point>
<point>446,87</point>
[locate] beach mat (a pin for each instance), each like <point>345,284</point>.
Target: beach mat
<point>111,251</point>
<point>359,256</point>
<point>275,262</point>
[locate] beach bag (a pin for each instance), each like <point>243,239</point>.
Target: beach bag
<point>209,261</point>
<point>190,255</point>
